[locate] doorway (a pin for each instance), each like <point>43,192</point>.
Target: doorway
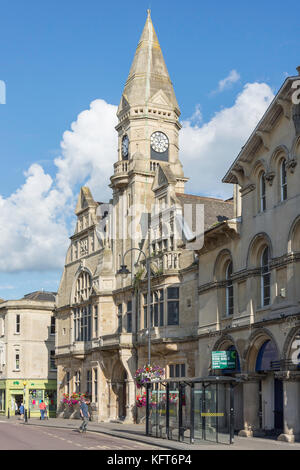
<point>15,403</point>
<point>278,408</point>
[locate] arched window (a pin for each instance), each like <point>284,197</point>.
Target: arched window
<point>262,192</point>
<point>283,181</point>
<point>267,358</point>
<point>229,290</point>
<point>83,286</point>
<point>265,277</point>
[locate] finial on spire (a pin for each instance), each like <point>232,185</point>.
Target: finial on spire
<point>149,12</point>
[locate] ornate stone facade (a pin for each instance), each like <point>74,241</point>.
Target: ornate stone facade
<point>238,291</point>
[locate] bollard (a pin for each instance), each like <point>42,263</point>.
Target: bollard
<point>25,416</point>
<point>8,416</point>
<point>29,413</point>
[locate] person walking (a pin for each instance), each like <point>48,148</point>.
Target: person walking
<point>85,414</point>
<point>21,410</point>
<point>42,407</point>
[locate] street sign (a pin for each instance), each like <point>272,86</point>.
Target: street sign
<point>223,359</point>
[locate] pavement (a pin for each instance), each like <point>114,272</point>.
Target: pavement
<point>136,432</point>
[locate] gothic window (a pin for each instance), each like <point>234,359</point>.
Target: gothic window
<point>120,313</point>
<point>96,321</point>
<point>83,287</point>
<point>173,305</point>
<point>229,290</point>
<point>78,382</point>
<point>95,398</point>
<point>156,308</point>
<point>265,277</point>
<point>82,323</point>
<point>283,181</point>
<point>129,317</point>
<point>68,383</point>
<point>89,383</point>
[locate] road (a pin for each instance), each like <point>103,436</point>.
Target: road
<point>19,436</point>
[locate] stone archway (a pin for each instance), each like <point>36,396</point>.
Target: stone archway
<point>119,389</point>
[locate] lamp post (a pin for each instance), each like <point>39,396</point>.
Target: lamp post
<point>123,271</point>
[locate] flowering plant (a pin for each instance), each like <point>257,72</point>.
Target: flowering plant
<point>142,401</point>
<point>73,399</point>
<point>147,374</point>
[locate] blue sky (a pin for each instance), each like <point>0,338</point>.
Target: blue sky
<point>59,56</point>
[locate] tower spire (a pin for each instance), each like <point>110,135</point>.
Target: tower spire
<point>148,73</point>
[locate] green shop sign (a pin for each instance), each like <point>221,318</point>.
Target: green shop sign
<point>223,360</point>
<point>16,383</point>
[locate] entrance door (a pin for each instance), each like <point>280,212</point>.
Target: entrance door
<point>278,408</point>
<point>16,402</point>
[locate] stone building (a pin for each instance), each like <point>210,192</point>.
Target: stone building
<point>27,353</point>
<point>249,292</point>
<point>236,292</point>
<point>102,319</point>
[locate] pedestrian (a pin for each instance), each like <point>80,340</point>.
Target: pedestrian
<point>22,410</point>
<point>16,408</point>
<point>42,407</point>
<point>85,414</point>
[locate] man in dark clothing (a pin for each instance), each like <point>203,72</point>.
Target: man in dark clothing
<point>85,415</point>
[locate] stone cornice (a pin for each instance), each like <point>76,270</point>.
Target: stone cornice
<point>239,276</point>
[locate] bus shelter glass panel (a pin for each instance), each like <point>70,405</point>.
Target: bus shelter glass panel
<point>157,410</point>
<point>173,410</point>
<point>212,412</point>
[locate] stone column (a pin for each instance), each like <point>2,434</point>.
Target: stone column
<point>291,407</point>
<point>250,404</point>
<point>130,401</point>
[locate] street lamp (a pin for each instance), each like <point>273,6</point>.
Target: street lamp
<point>123,271</point>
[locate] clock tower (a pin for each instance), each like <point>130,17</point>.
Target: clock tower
<point>148,113</point>
<point>148,131</point>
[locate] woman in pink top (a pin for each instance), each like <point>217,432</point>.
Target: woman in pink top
<point>42,407</point>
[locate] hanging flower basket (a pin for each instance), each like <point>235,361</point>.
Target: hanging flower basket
<point>148,374</point>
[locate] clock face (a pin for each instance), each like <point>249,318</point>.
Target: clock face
<point>125,146</point>
<point>159,142</point>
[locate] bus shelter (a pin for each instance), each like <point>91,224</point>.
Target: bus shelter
<point>191,410</point>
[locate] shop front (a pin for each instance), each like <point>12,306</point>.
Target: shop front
<point>30,393</point>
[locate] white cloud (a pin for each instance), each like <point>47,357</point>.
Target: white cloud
<point>33,232</point>
<point>89,150</point>
<point>34,220</point>
<point>207,151</point>
<point>226,83</point>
